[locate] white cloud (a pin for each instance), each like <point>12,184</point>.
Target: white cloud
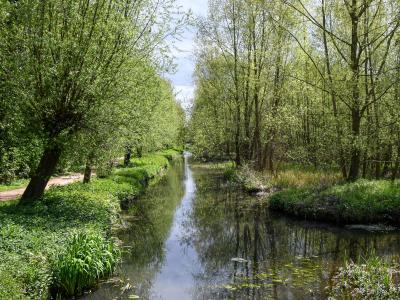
<point>184,55</point>
<point>185,94</point>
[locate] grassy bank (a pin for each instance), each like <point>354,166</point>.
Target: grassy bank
<point>364,201</point>
<point>64,243</point>
<point>322,195</point>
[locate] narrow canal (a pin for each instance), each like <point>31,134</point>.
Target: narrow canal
<point>196,237</point>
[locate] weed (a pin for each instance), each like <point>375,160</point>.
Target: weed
<point>373,279</point>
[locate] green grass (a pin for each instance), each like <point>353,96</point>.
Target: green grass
<point>14,185</point>
<point>38,241</point>
<point>364,201</point>
<point>373,279</point>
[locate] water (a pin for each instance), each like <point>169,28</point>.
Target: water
<point>195,237</point>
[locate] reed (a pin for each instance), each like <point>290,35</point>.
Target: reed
<point>87,259</point>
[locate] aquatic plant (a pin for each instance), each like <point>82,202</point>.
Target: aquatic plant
<point>373,279</point>
<point>87,259</point>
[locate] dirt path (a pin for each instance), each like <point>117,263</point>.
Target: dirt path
<point>61,180</point>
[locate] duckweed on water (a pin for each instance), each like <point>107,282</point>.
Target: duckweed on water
<point>298,274</point>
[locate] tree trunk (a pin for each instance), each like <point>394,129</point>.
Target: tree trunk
<point>396,164</point>
<point>339,133</point>
<point>127,157</point>
<point>88,172</point>
<point>44,171</point>
<point>355,111</point>
<point>355,151</point>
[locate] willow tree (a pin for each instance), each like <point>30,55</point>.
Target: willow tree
<point>74,56</point>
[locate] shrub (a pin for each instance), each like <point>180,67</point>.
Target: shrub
<point>87,259</point>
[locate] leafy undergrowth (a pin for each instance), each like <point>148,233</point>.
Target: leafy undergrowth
<point>39,242</point>
<point>364,201</point>
<point>374,279</point>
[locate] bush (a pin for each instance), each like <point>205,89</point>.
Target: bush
<point>87,259</point>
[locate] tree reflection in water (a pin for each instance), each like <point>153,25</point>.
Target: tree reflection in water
<point>278,258</point>
<point>219,243</point>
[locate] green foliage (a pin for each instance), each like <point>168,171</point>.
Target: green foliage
<point>324,89</point>
<point>81,80</point>
<point>362,201</point>
<point>373,279</point>
<point>86,259</point>
<point>40,241</point>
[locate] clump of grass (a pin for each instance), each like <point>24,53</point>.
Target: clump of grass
<point>87,259</point>
<point>368,200</point>
<point>297,178</point>
<point>287,177</point>
<point>374,279</point>
<point>171,154</point>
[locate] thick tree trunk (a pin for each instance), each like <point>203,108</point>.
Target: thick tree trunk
<point>44,171</point>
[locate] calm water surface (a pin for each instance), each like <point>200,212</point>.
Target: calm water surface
<point>195,237</point>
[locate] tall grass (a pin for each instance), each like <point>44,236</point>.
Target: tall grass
<point>287,177</point>
<point>298,178</point>
<point>87,259</point>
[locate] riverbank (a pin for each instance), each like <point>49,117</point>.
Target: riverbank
<point>323,196</point>
<point>360,202</point>
<point>47,248</point>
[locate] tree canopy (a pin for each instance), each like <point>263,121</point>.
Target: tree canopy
<point>300,81</point>
<point>82,81</point>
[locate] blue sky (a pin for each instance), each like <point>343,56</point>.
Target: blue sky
<point>184,54</point>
